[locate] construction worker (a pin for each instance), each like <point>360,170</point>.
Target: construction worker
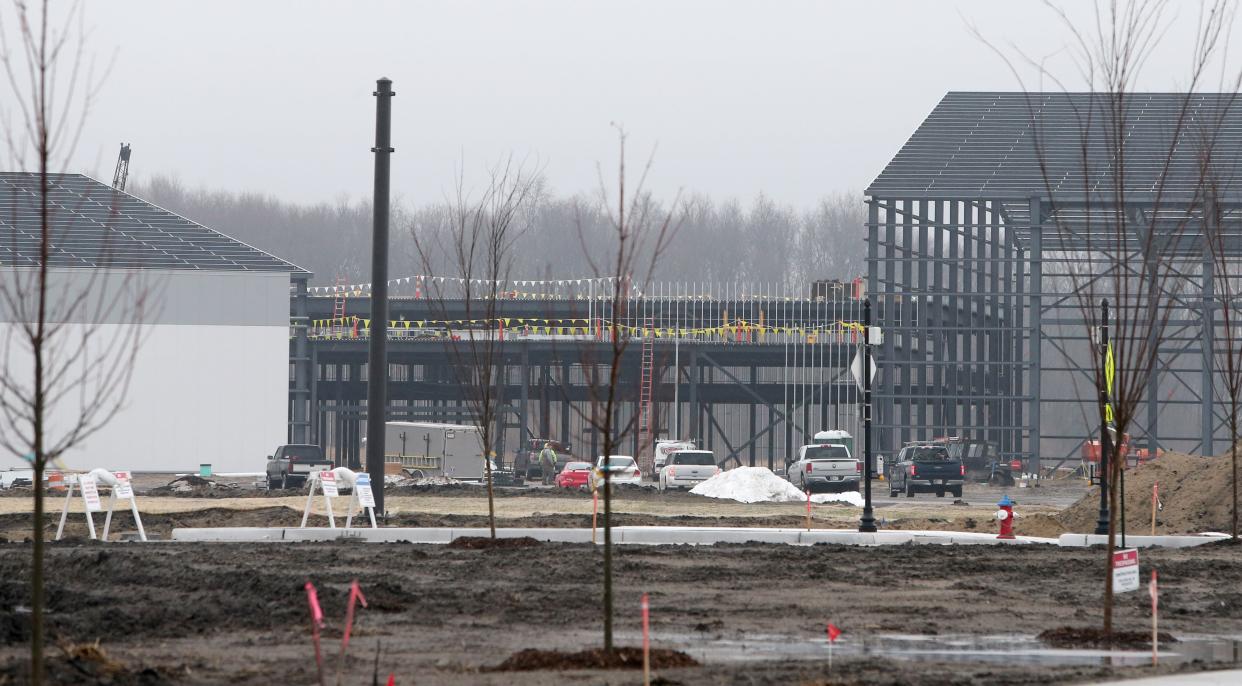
<point>547,463</point>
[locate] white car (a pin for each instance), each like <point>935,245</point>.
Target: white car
<point>687,469</point>
<point>622,468</point>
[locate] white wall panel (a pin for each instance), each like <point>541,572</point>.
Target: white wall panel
<point>199,394</point>
<point>211,380</point>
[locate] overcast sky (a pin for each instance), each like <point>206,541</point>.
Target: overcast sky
<point>791,99</point>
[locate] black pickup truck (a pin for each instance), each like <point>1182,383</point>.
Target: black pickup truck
<point>982,459</point>
<point>925,468</point>
<point>291,465</point>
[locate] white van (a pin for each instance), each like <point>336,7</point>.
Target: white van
<point>665,447</point>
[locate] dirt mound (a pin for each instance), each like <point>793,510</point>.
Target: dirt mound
<point>83,663</point>
<point>486,543</point>
<point>533,659</point>
<point>194,486</point>
<point>1195,492</point>
<point>1094,637</point>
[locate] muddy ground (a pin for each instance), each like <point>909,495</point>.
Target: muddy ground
<point>171,613</point>
<point>208,614</point>
<point>548,507</point>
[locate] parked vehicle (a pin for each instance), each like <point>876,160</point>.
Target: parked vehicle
<point>665,447</point>
<point>291,465</point>
<point>16,478</point>
<point>828,466</point>
<point>575,475</point>
<point>982,460</point>
<point>835,436</point>
<point>526,462</point>
<point>623,470</point>
<point>687,469</point>
<point>925,468</point>
<point>432,449</point>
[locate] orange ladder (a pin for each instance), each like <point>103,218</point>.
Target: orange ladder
<point>644,397</point>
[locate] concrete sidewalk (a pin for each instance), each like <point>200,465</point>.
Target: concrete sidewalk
<point>1229,677</point>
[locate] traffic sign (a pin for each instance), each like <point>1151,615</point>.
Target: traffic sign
<point>362,486</point>
<point>123,489</point>
<point>856,369</point>
<point>90,493</point>
<point>1125,570</point>
<point>327,482</point>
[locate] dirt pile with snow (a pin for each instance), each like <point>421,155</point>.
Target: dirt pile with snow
<point>761,485</point>
<point>1195,492</point>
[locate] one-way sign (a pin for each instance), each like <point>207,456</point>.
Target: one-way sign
<point>856,369</point>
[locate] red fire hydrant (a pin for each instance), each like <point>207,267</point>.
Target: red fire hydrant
<point>1005,516</point>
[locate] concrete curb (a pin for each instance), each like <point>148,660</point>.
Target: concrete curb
<point>1225,677</point>
<point>624,535</point>
<point>1081,540</point>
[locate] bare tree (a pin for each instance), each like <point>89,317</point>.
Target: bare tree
<point>70,335</point>
<point>476,245</point>
<point>639,231</point>
<point>1126,219</point>
<point>1224,245</point>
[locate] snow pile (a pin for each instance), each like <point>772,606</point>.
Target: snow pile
<point>750,485</point>
<point>760,485</point>
<point>849,498</point>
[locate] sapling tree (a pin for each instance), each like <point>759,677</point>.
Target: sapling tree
<point>69,335</point>
<point>469,259</point>
<point>623,258</point>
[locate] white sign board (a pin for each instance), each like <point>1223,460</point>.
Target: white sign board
<point>90,493</point>
<point>856,369</point>
<point>1125,570</point>
<point>327,481</point>
<point>123,490</point>
<point>362,486</point>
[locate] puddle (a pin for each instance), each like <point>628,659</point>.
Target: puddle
<point>1008,649</point>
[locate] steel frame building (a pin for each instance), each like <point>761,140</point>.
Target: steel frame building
<point>749,372</point>
<point>976,227</point>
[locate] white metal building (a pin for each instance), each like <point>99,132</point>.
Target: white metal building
<point>210,383</point>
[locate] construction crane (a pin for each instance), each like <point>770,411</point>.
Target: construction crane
<point>122,168</point>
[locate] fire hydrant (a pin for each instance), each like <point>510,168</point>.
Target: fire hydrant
<point>1005,516</point>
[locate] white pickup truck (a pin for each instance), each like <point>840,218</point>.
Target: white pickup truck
<point>825,465</point>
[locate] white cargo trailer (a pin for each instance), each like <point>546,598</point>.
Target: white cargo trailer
<point>451,450</point>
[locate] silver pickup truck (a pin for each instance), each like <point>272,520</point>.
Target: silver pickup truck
<point>828,466</point>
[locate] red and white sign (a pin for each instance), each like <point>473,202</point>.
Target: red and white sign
<point>1125,570</point>
<point>90,493</point>
<point>327,482</point>
<point>123,488</point>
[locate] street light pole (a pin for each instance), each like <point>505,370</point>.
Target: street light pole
<point>377,358</point>
<point>1101,524</point>
<point>867,523</point>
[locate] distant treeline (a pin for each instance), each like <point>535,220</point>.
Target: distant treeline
<point>717,241</point>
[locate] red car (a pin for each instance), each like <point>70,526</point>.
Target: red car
<point>575,475</point>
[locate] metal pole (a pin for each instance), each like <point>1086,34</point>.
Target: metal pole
<point>676,387</point>
<point>867,523</point>
<point>1101,524</point>
<point>377,362</point>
